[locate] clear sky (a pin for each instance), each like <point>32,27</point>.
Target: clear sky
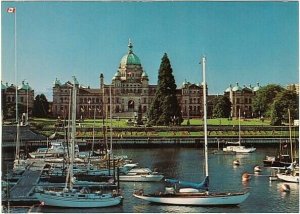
<point>245,42</point>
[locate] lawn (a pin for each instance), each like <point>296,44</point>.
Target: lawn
<point>122,123</point>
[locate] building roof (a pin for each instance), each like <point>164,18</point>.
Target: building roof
<point>3,87</point>
<point>257,87</point>
<point>237,87</point>
<point>130,58</point>
<point>24,86</point>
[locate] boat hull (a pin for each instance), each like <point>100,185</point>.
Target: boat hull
<point>288,178</point>
<point>197,199</point>
<point>141,178</point>
<point>64,201</point>
<point>239,149</point>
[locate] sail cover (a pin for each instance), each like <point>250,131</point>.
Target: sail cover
<point>186,184</point>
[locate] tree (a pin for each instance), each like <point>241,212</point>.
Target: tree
<point>221,107</point>
<point>279,110</point>
<point>165,108</point>
<point>40,106</point>
<point>264,99</point>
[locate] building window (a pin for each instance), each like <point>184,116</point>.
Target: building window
<point>238,100</point>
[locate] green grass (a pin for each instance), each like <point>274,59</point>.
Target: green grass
<point>122,123</point>
<point>42,125</point>
<point>225,121</point>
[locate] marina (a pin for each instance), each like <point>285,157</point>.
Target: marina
<point>265,195</point>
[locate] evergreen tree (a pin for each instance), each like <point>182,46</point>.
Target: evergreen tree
<point>40,106</point>
<point>165,109</point>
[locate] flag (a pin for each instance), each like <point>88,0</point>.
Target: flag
<point>11,10</point>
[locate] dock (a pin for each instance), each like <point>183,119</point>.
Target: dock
<point>22,192</point>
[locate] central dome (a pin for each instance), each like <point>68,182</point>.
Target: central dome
<point>130,58</point>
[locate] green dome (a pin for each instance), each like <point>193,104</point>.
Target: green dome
<point>228,89</point>
<point>130,58</point>
<point>144,74</point>
<point>56,82</point>
<point>3,87</point>
<point>237,88</point>
<point>24,86</point>
<point>117,75</point>
<point>257,87</point>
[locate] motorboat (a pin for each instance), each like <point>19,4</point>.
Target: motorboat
<point>141,175</point>
<point>57,149</point>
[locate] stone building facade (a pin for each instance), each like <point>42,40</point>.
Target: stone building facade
<point>25,97</point>
<point>129,89</point>
<point>241,98</point>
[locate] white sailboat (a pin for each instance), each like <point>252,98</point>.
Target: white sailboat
<point>236,146</point>
<point>291,175</point>
<point>69,197</point>
<point>292,172</point>
<point>191,194</point>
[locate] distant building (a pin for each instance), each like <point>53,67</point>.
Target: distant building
<point>293,87</point>
<point>130,89</point>
<point>25,98</point>
<point>241,98</point>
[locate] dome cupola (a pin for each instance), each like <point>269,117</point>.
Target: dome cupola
<point>237,88</point>
<point>256,88</point>
<point>130,58</point>
<point>117,75</point>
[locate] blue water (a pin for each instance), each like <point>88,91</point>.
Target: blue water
<point>188,164</point>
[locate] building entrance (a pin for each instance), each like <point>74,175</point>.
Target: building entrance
<point>130,105</point>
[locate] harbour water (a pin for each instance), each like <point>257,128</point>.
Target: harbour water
<point>188,164</point>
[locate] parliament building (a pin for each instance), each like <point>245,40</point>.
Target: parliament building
<point>129,90</point>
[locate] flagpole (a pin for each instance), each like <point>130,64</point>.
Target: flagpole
<point>16,80</point>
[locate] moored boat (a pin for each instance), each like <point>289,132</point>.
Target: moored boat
<point>70,197</point>
<point>195,193</point>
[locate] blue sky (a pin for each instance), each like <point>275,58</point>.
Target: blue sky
<point>245,42</point>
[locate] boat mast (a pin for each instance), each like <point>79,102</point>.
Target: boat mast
<point>73,131</point>
<point>205,116</point>
<point>290,130</point>
<point>239,126</point>
<point>17,157</point>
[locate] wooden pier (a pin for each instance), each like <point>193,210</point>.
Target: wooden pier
<point>22,192</point>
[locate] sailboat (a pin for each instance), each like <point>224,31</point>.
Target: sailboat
<point>190,193</point>
<point>292,172</point>
<point>70,197</point>
<point>236,146</point>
